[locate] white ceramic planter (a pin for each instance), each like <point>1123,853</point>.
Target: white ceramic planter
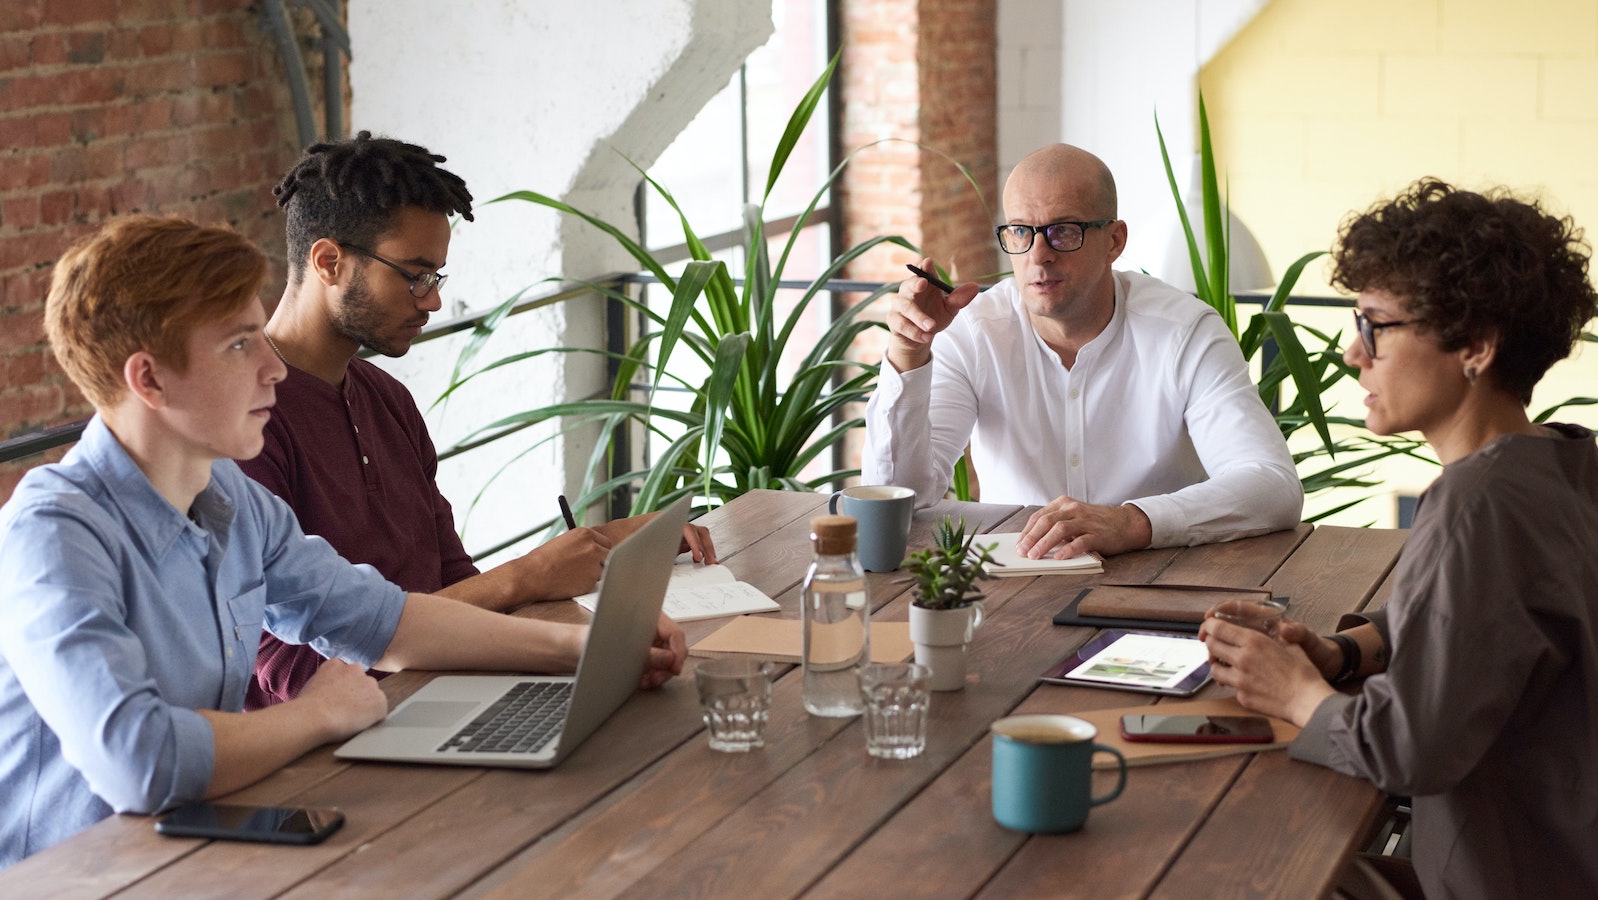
<point>941,636</point>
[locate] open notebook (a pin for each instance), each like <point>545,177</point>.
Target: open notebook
<point>697,591</point>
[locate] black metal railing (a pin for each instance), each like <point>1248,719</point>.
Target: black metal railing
<point>35,443</point>
<point>38,442</point>
<point>335,49</point>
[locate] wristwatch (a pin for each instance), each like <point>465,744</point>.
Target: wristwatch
<point>1351,657</point>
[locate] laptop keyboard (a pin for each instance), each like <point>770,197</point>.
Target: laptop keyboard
<point>521,721</point>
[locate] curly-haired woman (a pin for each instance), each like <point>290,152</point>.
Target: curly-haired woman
<point>1481,691</point>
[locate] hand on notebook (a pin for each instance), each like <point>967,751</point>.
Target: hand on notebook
<point>696,540</point>
<point>666,656</point>
<point>1067,528</point>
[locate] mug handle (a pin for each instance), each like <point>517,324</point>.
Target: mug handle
<point>1119,785</point>
<point>832,502</point>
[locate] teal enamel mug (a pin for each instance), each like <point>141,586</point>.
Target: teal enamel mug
<point>1043,772</point>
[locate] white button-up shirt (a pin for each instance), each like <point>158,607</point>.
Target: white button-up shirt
<point>1157,411</point>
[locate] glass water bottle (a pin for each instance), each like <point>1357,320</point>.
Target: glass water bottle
<point>837,621</point>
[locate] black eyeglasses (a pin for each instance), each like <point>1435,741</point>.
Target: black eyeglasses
<point>1062,236</point>
<point>1368,330</point>
<point>421,282</point>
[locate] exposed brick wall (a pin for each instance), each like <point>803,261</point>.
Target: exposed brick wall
<point>118,106</point>
<point>922,71</point>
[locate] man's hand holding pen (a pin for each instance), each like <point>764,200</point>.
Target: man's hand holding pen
<point>919,311</point>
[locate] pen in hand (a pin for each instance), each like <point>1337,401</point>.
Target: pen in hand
<point>933,280</point>
<point>566,513</point>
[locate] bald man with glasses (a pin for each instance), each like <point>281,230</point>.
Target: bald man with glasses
<point>1118,403</point>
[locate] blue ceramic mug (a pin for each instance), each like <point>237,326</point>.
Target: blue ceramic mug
<point>1042,772</point>
<point>884,514</point>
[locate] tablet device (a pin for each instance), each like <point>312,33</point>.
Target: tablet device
<point>1148,662</point>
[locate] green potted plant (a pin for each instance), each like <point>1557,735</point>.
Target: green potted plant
<point>752,415</point>
<point>1344,460</point>
<point>1311,371</point>
<point>947,606</point>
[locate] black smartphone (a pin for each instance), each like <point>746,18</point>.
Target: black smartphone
<point>268,824</point>
<point>1197,729</point>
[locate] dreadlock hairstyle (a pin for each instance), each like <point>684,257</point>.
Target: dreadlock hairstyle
<point>350,190</point>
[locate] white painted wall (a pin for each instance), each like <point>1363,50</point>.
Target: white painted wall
<point>534,95</point>
<point>1115,64</point>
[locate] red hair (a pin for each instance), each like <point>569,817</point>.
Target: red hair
<point>144,283</point>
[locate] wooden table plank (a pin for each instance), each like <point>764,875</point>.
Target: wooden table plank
<point>819,810</point>
<point>1140,831</point>
<point>370,809</point>
<point>452,842</point>
<point>96,862</point>
<point>616,842</point>
<point>1335,570</point>
<point>645,808</point>
<point>582,857</point>
<point>1236,563</point>
<point>1258,844</point>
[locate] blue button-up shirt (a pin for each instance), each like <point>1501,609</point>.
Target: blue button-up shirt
<point>120,616</point>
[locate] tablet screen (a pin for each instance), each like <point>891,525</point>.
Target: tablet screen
<point>1137,661</point>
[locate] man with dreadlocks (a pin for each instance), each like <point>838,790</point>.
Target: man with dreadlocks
<point>346,447</point>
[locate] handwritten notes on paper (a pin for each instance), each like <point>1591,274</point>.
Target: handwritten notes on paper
<point>698,591</point>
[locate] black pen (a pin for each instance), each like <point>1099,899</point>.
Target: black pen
<point>933,280</point>
<point>566,512</point>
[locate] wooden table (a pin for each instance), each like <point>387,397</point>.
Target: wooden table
<point>646,809</point>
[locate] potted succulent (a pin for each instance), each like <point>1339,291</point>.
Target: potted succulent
<point>948,605</point>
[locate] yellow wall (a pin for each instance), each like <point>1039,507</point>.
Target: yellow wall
<point>1321,108</point>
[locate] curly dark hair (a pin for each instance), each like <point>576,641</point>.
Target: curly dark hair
<point>1472,265</point>
<point>350,190</point>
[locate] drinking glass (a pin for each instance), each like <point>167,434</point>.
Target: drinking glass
<point>896,699</point>
<point>1264,616</point>
<point>735,697</point>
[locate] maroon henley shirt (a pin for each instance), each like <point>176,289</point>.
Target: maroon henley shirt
<point>356,465</point>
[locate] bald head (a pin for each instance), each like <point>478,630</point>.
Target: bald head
<point>1064,168</point>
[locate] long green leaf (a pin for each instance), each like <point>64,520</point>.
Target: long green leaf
<point>796,125</point>
<point>1215,219</point>
<point>690,287</point>
<point>729,360</point>
<point>1197,260</point>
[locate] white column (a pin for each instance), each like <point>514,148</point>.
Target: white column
<point>537,95</point>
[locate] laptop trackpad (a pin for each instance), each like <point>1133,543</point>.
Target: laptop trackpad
<point>429,714</point>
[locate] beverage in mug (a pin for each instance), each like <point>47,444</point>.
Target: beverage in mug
<point>1042,772</point>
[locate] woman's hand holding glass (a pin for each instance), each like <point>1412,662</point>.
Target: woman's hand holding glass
<point>1282,676</point>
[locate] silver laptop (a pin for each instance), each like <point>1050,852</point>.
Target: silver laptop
<point>534,722</point>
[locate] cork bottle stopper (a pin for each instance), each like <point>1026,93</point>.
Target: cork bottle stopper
<point>833,535</point>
